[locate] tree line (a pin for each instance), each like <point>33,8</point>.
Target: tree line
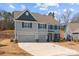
<point>6,21</point>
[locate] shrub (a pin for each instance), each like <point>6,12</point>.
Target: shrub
<point>62,40</point>
<point>76,40</point>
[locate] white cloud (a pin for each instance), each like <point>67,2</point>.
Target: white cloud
<point>56,12</point>
<point>65,10</point>
<point>52,4</point>
<point>44,6</point>
<point>72,9</point>
<point>11,6</point>
<point>23,7</point>
<point>41,6</point>
<point>37,5</point>
<point>72,3</point>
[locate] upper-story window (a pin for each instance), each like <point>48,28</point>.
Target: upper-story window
<point>27,13</point>
<point>50,26</point>
<point>42,26</point>
<point>26,25</point>
<point>56,27</point>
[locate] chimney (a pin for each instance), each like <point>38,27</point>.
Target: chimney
<point>51,14</point>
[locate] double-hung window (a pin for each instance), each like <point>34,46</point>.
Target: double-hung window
<point>42,26</point>
<point>55,27</point>
<point>50,26</point>
<point>26,25</point>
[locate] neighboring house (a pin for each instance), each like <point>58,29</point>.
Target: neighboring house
<point>1,18</point>
<point>32,27</point>
<point>72,31</point>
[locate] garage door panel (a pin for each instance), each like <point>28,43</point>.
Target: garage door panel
<point>26,38</point>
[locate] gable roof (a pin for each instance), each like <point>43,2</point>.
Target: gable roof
<point>38,17</point>
<point>74,27</point>
<point>17,14</point>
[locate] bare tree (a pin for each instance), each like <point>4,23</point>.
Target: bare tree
<point>66,16</point>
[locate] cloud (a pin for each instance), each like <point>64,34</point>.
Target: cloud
<point>41,6</point>
<point>65,10</point>
<point>52,4</point>
<point>23,7</point>
<point>11,6</point>
<point>44,6</point>
<point>72,9</point>
<point>72,3</point>
<point>37,5</point>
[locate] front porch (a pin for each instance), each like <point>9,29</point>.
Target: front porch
<point>55,37</point>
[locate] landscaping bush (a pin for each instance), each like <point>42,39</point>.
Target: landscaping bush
<point>76,40</point>
<point>56,40</point>
<point>62,40</point>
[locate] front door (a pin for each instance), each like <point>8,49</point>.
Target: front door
<point>56,37</point>
<point>49,37</point>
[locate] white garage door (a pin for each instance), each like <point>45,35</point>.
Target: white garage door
<point>42,38</point>
<point>26,38</point>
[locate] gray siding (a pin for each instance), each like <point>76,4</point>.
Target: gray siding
<point>31,34</point>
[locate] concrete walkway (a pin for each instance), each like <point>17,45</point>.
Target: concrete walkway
<point>46,49</point>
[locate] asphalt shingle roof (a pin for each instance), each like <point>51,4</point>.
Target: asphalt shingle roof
<point>38,17</point>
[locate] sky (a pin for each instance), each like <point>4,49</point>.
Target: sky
<point>42,8</point>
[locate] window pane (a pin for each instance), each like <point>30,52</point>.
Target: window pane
<point>26,25</point>
<point>50,27</point>
<point>45,26</point>
<point>55,27</point>
<point>42,26</point>
<point>30,25</point>
<point>22,24</point>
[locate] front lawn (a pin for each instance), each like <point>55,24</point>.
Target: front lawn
<point>71,44</point>
<point>8,48</point>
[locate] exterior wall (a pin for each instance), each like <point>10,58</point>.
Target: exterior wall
<point>76,36</point>
<point>31,34</point>
<point>68,32</point>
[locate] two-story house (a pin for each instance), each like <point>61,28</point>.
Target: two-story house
<point>32,27</point>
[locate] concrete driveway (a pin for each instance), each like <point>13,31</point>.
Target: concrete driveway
<point>46,49</point>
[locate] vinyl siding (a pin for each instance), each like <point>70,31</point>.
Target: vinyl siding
<point>31,34</point>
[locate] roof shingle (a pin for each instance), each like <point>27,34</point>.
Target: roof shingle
<point>38,17</point>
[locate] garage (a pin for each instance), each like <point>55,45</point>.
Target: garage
<point>26,38</point>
